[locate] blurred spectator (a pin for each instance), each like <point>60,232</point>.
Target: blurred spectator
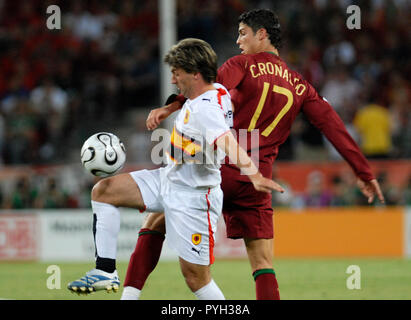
<point>309,143</point>
<point>24,129</point>
<point>340,192</point>
<point>50,101</point>
<point>140,81</point>
<point>341,90</point>
<point>23,196</point>
<point>282,199</point>
<point>139,144</point>
<point>51,197</point>
<point>316,194</point>
<point>84,24</point>
<point>339,52</point>
<point>197,20</point>
<point>391,192</point>
<point>400,108</point>
<point>15,91</point>
<point>48,98</point>
<point>373,123</point>
<point>366,69</point>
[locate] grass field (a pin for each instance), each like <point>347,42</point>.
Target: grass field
<point>307,279</point>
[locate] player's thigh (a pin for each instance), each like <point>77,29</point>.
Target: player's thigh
<point>260,252</point>
<point>155,221</point>
<point>247,212</point>
<point>120,190</point>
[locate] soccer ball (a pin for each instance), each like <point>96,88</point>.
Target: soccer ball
<point>103,154</point>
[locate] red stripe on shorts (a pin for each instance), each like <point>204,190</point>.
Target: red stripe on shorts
<point>210,231</point>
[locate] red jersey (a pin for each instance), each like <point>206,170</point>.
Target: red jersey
<point>268,96</point>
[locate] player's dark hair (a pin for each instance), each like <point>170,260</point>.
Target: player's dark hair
<point>263,18</point>
<point>194,55</point>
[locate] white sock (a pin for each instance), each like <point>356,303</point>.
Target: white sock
<point>130,293</point>
<point>107,229</point>
<point>209,292</point>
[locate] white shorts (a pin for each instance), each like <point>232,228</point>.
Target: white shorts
<point>191,214</point>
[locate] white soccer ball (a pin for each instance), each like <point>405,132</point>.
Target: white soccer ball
<point>103,154</point>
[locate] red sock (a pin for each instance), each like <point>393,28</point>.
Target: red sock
<point>266,285</point>
<point>144,258</point>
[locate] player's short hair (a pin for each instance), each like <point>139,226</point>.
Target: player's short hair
<point>194,55</point>
<point>263,18</point>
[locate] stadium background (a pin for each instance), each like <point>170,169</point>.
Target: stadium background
<point>101,72</point>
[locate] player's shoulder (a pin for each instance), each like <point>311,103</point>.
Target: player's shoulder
<point>240,60</point>
<point>218,99</point>
<point>221,90</point>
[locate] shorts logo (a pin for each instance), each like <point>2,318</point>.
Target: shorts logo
<point>196,238</point>
<point>186,117</point>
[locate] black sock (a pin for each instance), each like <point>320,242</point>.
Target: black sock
<point>106,264</point>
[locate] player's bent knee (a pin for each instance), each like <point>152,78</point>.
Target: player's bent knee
<point>155,221</point>
<point>100,190</point>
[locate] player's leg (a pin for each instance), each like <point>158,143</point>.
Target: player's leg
<point>260,255</point>
<point>145,256</point>
<point>191,223</point>
<point>198,279</point>
<point>248,215</point>
<point>107,195</point>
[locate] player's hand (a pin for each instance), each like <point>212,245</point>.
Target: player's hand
<point>265,185</point>
<point>370,189</point>
<point>156,116</point>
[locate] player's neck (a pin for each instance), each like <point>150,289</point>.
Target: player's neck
<point>200,89</point>
<point>266,46</point>
<point>270,49</point>
<point>274,52</point>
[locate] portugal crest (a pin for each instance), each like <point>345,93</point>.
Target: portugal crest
<point>196,238</point>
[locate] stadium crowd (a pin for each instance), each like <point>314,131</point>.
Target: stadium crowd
<point>103,64</point>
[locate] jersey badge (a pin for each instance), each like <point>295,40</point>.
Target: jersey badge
<point>186,117</point>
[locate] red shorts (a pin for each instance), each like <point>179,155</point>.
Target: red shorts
<point>247,212</point>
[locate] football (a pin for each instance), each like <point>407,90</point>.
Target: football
<point>103,154</point>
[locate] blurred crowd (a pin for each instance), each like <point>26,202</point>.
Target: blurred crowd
<point>340,191</point>
<point>70,187</point>
<point>59,86</point>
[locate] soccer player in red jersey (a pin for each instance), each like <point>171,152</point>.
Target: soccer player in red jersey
<point>267,96</point>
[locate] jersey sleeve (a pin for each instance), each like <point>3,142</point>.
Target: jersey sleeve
<point>232,72</point>
<point>320,113</point>
<point>212,124</point>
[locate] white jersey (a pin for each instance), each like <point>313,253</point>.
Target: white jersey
<point>193,158</point>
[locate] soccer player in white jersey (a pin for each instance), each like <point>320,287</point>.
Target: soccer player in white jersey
<point>188,189</point>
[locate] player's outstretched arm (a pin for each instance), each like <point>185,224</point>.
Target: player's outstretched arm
<point>240,158</point>
<point>370,189</point>
<point>156,116</point>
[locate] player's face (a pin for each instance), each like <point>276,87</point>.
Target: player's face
<point>182,80</point>
<point>247,40</point>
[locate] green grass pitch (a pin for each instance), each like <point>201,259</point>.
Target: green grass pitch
<point>299,279</point>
